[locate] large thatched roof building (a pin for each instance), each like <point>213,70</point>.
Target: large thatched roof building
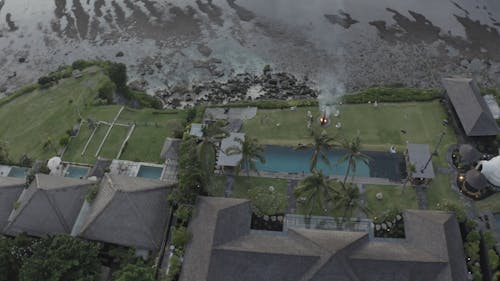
<point>224,248</point>
<point>10,189</point>
<point>127,211</point>
<point>471,109</point>
<point>49,206</point>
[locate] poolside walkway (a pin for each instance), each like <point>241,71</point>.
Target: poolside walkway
<point>421,199</point>
<point>228,188</point>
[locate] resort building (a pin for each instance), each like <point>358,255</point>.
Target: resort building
<point>225,160</point>
<point>225,248</point>
<point>10,189</point>
<point>126,211</point>
<point>419,156</point>
<point>49,206</point>
<point>470,108</point>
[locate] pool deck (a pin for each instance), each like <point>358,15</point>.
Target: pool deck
<point>4,170</point>
<point>300,176</point>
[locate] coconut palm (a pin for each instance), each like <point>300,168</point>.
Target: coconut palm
<point>316,190</point>
<point>321,144</point>
<point>213,132</point>
<point>411,169</point>
<point>250,151</point>
<point>348,199</point>
<point>353,155</point>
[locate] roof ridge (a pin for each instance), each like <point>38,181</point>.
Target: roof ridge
<point>141,219</point>
<point>87,223</point>
<point>57,211</point>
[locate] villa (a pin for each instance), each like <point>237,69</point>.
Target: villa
<point>10,189</point>
<point>127,211</point>
<point>224,160</point>
<point>224,248</point>
<point>48,206</point>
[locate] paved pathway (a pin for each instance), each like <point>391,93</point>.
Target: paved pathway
<point>228,188</point>
<point>292,201</point>
<point>421,199</point>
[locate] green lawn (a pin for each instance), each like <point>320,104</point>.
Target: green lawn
<point>491,203</point>
<point>379,127</point>
<point>29,120</point>
<point>393,198</point>
<point>114,141</point>
<point>440,191</point>
<point>243,183</point>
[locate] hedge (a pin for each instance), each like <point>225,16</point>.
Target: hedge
<point>387,94</point>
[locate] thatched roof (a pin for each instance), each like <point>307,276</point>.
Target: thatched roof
<point>475,179</point>
<point>49,206</point>
<point>127,211</point>
<point>469,154</point>
<point>418,155</point>
<point>10,189</point>
<point>223,248</point>
<point>472,110</point>
<point>490,169</point>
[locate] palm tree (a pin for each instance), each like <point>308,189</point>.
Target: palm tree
<point>250,151</point>
<point>348,199</point>
<point>317,190</point>
<point>411,169</point>
<point>212,133</point>
<point>322,143</point>
<point>353,155</point>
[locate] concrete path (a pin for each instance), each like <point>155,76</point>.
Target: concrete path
<point>292,201</point>
<point>421,199</point>
<point>228,188</point>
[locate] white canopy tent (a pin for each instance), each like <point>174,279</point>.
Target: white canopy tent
<point>491,170</point>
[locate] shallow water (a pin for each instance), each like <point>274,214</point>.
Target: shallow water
<point>356,42</point>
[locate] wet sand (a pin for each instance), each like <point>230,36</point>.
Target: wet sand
<point>357,43</point>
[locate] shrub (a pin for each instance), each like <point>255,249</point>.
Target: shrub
<point>386,94</point>
<point>44,169</point>
<point>493,259</point>
<point>64,141</point>
<point>106,91</point>
<point>473,236</point>
<point>180,237</point>
<point>489,239</point>
<point>92,193</point>
<point>45,81</point>
<point>25,161</point>
<point>118,74</point>
<point>174,268</point>
<point>267,201</point>
<point>183,213</point>
<point>472,251</point>
<point>82,64</point>
<point>191,114</point>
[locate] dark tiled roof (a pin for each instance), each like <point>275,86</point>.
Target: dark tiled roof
<point>49,206</point>
<point>418,155</point>
<point>472,110</point>
<point>10,189</point>
<point>223,248</point>
<point>127,211</point>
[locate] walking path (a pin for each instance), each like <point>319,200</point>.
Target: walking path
<point>421,199</point>
<point>228,188</point>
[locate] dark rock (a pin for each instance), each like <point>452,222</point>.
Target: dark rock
<point>138,85</point>
<point>159,65</point>
<point>120,54</point>
<point>204,50</point>
<point>21,60</point>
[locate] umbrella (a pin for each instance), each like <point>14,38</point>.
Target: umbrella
<point>54,163</point>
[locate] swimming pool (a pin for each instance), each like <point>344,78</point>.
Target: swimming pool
<point>497,220</point>
<point>290,160</point>
<point>150,172</point>
<point>77,172</point>
<point>18,172</point>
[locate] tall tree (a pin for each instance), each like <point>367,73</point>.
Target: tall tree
<point>317,190</point>
<point>410,170</point>
<point>250,151</point>
<point>61,257</point>
<point>213,132</point>
<point>348,199</point>
<point>134,272</point>
<point>321,144</point>
<point>353,155</point>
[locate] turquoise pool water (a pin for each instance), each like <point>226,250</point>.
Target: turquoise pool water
<point>150,172</point>
<point>77,172</point>
<point>18,172</point>
<point>288,159</point>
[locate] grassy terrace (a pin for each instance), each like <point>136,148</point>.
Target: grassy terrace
<point>243,183</point>
<point>379,127</point>
<point>393,198</point>
<point>439,191</point>
<point>49,113</point>
<point>491,203</point>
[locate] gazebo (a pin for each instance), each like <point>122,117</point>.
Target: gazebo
<point>469,155</point>
<point>475,183</point>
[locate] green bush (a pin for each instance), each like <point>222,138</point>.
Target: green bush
<point>489,239</point>
<point>473,236</point>
<point>180,237</point>
<point>183,213</point>
<point>493,259</point>
<point>92,193</point>
<point>472,251</point>
<point>64,141</point>
<point>118,74</point>
<point>106,91</point>
<point>272,104</point>
<point>174,267</point>
<point>386,94</point>
<point>267,201</point>
<point>82,64</point>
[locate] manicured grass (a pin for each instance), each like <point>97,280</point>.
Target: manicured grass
<point>440,191</point>
<point>491,203</point>
<point>379,128</point>
<point>114,141</point>
<point>393,198</point>
<point>242,184</point>
<point>29,120</point>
